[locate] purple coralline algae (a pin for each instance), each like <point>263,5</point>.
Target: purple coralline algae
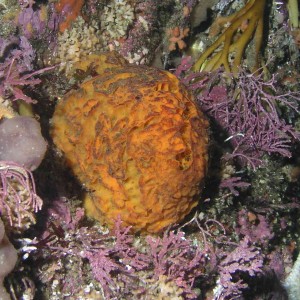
<point>244,260</point>
<point>115,261</point>
<point>18,199</point>
<point>247,110</point>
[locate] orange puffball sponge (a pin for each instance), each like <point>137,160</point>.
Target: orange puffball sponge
<point>134,137</point>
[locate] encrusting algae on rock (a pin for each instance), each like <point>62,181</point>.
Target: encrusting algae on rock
<point>134,137</point>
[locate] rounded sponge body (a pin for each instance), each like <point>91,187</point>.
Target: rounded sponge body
<point>21,141</point>
<point>135,138</point>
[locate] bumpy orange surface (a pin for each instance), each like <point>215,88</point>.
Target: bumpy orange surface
<point>72,7</point>
<point>134,137</point>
